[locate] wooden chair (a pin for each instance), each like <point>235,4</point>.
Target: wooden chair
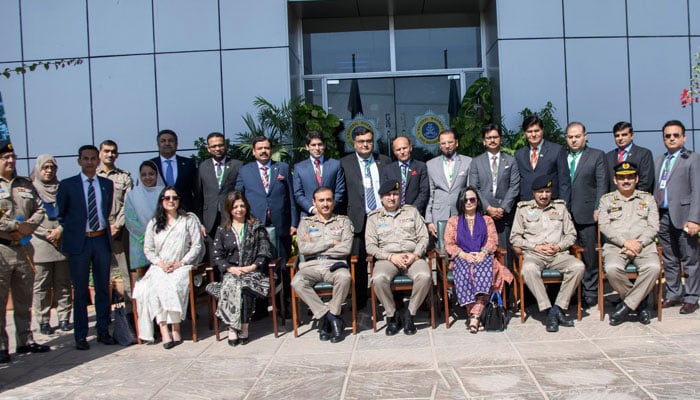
<point>400,283</point>
<point>446,277</point>
<point>549,276</point>
<point>323,289</point>
<point>274,288</point>
<point>198,269</point>
<point>632,273</point>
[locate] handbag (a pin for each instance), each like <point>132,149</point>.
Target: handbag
<point>493,317</point>
<point>122,331</point>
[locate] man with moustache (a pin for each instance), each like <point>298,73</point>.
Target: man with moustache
<point>314,172</point>
<point>412,174</point>
<point>175,170</point>
<point>325,241</point>
<point>629,151</point>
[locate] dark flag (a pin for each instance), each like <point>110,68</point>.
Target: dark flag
<point>453,104</point>
<point>354,102</point>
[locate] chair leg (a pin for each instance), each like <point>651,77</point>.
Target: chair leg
<point>578,304</point>
<point>373,298</point>
<point>445,301</point>
<point>432,305</point>
<point>295,306</point>
<point>193,309</point>
<point>659,299</point>
<point>601,304</point>
<point>353,305</point>
<point>522,299</point>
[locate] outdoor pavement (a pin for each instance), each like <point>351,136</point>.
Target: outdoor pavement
<point>590,361</point>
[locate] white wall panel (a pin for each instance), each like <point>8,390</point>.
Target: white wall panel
<point>13,102</point>
<point>595,18</point>
<point>183,25</point>
<point>247,26</point>
<point>11,49</point>
<point>653,17</point>
<point>120,27</point>
<point>529,18</point>
<point>54,29</point>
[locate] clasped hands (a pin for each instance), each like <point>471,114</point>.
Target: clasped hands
<point>631,248</point>
<point>169,267</point>
<point>548,249</point>
<point>238,271</point>
<point>402,260</point>
<point>473,257</point>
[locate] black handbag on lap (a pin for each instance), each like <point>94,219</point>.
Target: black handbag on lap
<point>493,317</point>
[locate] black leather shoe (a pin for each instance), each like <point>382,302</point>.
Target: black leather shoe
<point>408,327</point>
<point>234,342</point>
<point>563,321</point>
<point>644,317</point>
<point>337,327</point>
<point>392,325</point>
<point>619,316</point>
<point>168,345</point>
<point>589,301</point>
<point>33,348</point>
<point>324,329</point>
<point>244,340</point>
<point>82,344</point>
<point>552,323</point>
<point>65,326</point>
<point>106,339</point>
<point>45,329</point>
<point>4,357</point>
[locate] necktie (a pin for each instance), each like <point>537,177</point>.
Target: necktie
<point>169,175</point>
<point>265,178</point>
<point>218,170</point>
<point>404,180</point>
<point>621,156</point>
<point>533,158</point>
<point>369,187</point>
<point>317,170</point>
<point>92,207</point>
<point>494,172</point>
<point>450,170</point>
<point>572,165</point>
<point>219,173</point>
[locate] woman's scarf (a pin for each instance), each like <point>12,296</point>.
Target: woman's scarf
<point>468,241</point>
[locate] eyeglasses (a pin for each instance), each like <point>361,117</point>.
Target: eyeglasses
<point>8,157</point>
<point>170,198</point>
<point>470,200</point>
<point>670,135</point>
<point>367,141</point>
<point>492,137</point>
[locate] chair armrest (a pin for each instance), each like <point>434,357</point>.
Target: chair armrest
<point>499,255</point>
<point>291,262</point>
<point>576,251</point>
<point>517,250</point>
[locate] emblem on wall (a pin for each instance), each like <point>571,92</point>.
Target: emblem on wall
<point>426,129</point>
<point>356,123</point>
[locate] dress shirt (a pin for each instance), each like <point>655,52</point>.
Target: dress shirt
<point>164,167</point>
<point>98,200</point>
<point>374,171</point>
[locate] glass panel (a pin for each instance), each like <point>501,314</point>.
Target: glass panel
<point>330,43</point>
<point>421,41</point>
<point>312,92</point>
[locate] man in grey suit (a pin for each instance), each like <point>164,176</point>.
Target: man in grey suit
<point>215,178</point>
<point>628,151</point>
<point>677,194</point>
<point>448,173</point>
<point>497,178</point>
<point>589,182</point>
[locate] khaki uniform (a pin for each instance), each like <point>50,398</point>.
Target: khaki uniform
<point>120,243</point>
<point>402,232</point>
<point>317,243</point>
<point>17,198</point>
<point>620,219</point>
<point>552,224</point>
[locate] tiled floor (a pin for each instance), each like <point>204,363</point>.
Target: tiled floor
<point>590,361</point>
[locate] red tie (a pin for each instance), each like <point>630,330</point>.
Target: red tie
<point>621,156</point>
<point>265,178</point>
<point>317,170</point>
<point>533,158</point>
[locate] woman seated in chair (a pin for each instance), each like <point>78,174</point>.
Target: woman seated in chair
<point>242,252</point>
<point>471,239</point>
<point>172,244</point>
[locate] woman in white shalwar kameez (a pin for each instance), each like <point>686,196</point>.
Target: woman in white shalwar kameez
<point>172,243</point>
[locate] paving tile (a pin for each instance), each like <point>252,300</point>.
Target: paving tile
<point>393,385</point>
<point>537,333</point>
<point>552,351</point>
<point>206,389</point>
<point>470,355</point>
<point>678,369</point>
<point>495,380</point>
<point>41,392</point>
<point>318,385</point>
<point>674,391</point>
<point>387,360</point>
<point>617,393</point>
<point>578,374</point>
<point>642,346</point>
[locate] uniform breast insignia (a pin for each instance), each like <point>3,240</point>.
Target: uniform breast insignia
<point>642,206</point>
<point>614,209</point>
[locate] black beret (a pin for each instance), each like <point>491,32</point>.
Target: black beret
<point>541,182</point>
<point>388,186</point>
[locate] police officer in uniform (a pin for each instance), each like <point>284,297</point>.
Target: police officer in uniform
<point>120,237</point>
<point>325,241</point>
<point>397,237</point>
<point>20,213</point>
<point>629,221</point>
<point>544,230</point>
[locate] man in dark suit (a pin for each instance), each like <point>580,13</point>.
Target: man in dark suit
<point>588,172</point>
<point>267,185</point>
<point>541,157</point>
<point>363,171</point>
<point>314,172</point>
<point>677,195</point>
<point>626,150</point>
<point>412,174</point>
<point>215,178</point>
<point>175,170</point>
<point>496,177</point>
<point>84,202</point>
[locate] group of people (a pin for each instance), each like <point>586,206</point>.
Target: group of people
<point>538,202</point>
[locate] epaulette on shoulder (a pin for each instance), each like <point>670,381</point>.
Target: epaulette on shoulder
<point>308,218</point>
<point>559,201</point>
<point>642,192</point>
<point>377,211</point>
<point>606,195</point>
<point>523,203</point>
<point>23,178</point>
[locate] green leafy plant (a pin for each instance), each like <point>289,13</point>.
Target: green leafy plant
<point>311,117</point>
<point>513,140</point>
<point>476,111</point>
<point>24,68</point>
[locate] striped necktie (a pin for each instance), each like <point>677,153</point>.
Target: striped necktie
<point>92,207</point>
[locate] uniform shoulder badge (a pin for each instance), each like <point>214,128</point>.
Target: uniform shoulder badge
<point>373,212</point>
<point>523,203</point>
<point>558,201</point>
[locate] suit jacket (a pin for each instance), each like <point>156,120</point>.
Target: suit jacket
<point>507,179</point>
<point>683,187</point>
<point>443,195</point>
<point>354,204</point>
<point>550,164</point>
<point>645,164</point>
<point>209,197</point>
<point>73,213</point>
<point>186,181</point>
<point>279,198</point>
<point>304,182</point>
<point>589,185</point>
<point>417,182</point>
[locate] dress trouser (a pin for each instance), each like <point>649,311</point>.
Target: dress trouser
<point>588,238</point>
<point>571,267</point>
<point>306,278</point>
<point>679,248</point>
<point>17,276</point>
<point>383,275</point>
<point>96,252</point>
<point>647,264</point>
<point>52,275</point>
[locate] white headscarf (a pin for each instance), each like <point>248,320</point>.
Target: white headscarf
<point>144,199</point>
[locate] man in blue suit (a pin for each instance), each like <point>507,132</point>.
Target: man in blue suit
<point>84,202</point>
<point>314,172</point>
<point>267,185</point>
<point>175,170</point>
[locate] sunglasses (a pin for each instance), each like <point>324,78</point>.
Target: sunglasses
<point>670,135</point>
<point>470,200</point>
<point>170,198</point>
